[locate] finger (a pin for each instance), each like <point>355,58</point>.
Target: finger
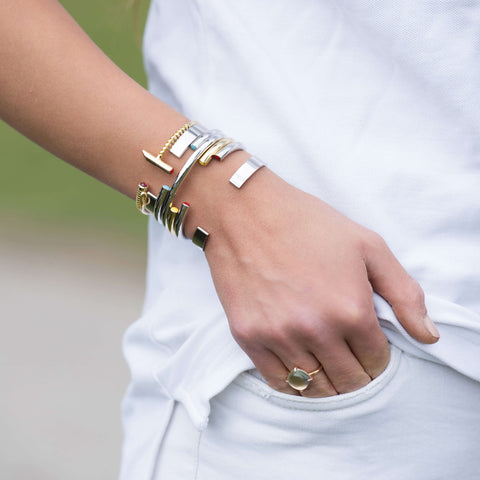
<point>370,347</point>
<point>320,386</point>
<point>342,368</point>
<point>272,370</point>
<point>400,290</point>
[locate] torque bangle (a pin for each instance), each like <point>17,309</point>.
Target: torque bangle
<point>246,171</point>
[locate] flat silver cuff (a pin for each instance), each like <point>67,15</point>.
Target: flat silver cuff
<point>246,171</point>
<point>182,144</point>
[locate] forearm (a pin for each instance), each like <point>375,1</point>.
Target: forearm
<point>60,90</point>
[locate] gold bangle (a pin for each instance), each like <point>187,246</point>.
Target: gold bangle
<point>157,160</point>
<point>181,215</point>
<point>204,160</point>
<point>171,216</point>
<point>142,199</point>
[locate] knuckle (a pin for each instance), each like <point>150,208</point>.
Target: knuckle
<point>274,336</point>
<point>304,325</point>
<point>357,314</point>
<point>243,332</point>
<point>373,241</point>
<point>310,328</point>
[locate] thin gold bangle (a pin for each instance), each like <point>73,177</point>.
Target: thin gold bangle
<point>171,216</point>
<point>180,217</point>
<point>175,137</point>
<point>142,198</point>
<point>204,160</point>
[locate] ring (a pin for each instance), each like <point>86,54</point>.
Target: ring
<point>300,379</point>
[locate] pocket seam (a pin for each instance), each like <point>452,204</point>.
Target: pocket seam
<point>259,388</point>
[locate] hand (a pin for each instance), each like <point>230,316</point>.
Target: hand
<point>296,277</point>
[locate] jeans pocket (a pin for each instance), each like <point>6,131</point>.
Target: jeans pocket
<point>258,386</point>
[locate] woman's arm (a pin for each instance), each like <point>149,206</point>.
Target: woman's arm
<point>296,286</point>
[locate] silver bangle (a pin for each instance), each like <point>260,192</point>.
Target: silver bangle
<point>159,204</point>
<point>208,141</point>
<point>182,144</point>
<point>164,207</point>
<point>148,207</point>
<point>186,139</point>
<point>246,171</point>
<point>201,139</point>
<point>200,237</point>
<point>180,217</point>
<point>228,149</point>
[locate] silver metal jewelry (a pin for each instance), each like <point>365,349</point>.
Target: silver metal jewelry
<point>208,141</point>
<point>148,208</point>
<point>246,171</point>
<point>228,149</point>
<point>160,203</point>
<point>200,237</point>
<point>183,143</point>
<point>201,139</point>
<point>179,220</point>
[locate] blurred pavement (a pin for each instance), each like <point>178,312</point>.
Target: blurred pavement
<point>65,299</point>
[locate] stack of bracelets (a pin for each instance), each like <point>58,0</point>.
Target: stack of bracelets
<point>205,145</point>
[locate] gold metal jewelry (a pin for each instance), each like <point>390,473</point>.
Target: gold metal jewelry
<point>299,379</point>
<point>181,215</point>
<point>157,160</point>
<point>204,160</point>
<point>171,216</point>
<point>142,199</point>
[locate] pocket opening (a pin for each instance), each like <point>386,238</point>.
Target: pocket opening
<point>259,387</point>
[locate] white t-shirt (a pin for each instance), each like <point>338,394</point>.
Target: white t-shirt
<point>373,106</point>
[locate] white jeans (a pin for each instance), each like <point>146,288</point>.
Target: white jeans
<point>418,420</point>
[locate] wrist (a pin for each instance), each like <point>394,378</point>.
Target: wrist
<point>210,194</point>
<point>228,213</point>
<point>212,188</point>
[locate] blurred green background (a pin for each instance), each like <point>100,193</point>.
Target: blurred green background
<point>72,268</point>
<point>32,181</point>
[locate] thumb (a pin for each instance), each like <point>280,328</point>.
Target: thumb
<point>390,280</point>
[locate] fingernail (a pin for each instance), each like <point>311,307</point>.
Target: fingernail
<point>430,326</point>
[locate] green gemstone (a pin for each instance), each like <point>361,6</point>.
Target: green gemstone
<point>298,379</point>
